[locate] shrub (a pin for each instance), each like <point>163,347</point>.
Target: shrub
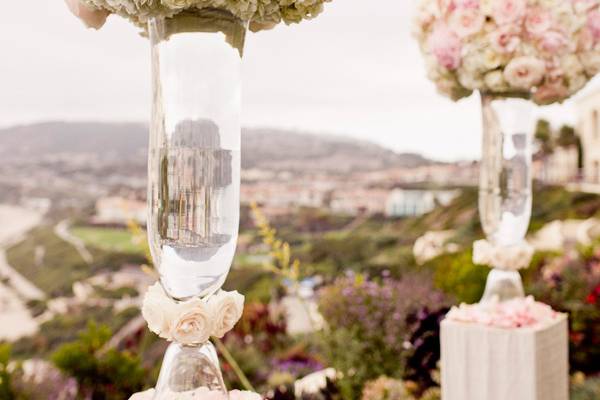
<point>368,329</point>
<point>109,375</point>
<point>384,388</point>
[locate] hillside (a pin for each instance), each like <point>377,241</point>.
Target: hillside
<point>261,148</point>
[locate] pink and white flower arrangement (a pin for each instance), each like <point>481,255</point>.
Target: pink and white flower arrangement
<point>202,393</point>
<point>544,49</point>
<point>511,314</point>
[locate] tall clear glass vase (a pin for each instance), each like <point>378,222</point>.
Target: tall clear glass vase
<point>505,193</point>
<point>194,172</point>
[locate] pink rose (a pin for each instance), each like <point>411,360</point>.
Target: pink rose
<point>505,40</point>
<point>593,24</point>
<point>92,18</point>
<point>508,11</point>
<point>538,21</point>
<point>471,4</point>
<point>524,72</point>
<point>553,42</point>
<point>446,47</point>
<point>466,21</point>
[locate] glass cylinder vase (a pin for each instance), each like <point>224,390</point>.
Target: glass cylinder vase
<point>505,193</point>
<point>194,171</point>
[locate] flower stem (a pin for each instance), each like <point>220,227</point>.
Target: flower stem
<point>234,365</point>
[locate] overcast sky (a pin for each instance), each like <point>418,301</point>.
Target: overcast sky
<point>354,71</point>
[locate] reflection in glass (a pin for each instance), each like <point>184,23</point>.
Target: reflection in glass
<point>505,194</point>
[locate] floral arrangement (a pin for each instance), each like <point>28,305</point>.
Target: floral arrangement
<point>515,313</point>
<point>262,14</point>
<point>202,393</point>
<point>504,257</point>
<point>544,49</point>
<point>193,321</point>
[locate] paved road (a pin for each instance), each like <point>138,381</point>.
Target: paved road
<point>16,221</point>
<point>15,319</point>
<point>62,231</point>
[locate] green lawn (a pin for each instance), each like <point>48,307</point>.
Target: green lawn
<point>109,239</point>
<point>61,264</point>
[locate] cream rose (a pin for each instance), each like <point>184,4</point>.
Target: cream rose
<point>157,310</point>
<point>502,257</point>
<point>227,309</point>
<point>193,324</point>
<point>524,72</point>
<point>495,82</point>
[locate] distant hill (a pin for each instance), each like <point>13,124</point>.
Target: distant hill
<point>261,148</point>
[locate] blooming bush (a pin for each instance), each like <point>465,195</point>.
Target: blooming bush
<point>384,388</point>
<point>546,49</point>
<point>368,328</point>
<point>571,283</point>
<point>423,347</point>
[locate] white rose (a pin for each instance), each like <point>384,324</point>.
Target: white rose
<point>591,62</point>
<point>227,309</point>
<point>193,323</point>
<point>524,72</point>
<point>157,310</point>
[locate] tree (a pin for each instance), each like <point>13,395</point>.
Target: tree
<point>543,135</point>
<point>567,136</point>
<point>109,375</point>
<point>6,391</point>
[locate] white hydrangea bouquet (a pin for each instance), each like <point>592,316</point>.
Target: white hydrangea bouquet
<point>543,49</point>
<point>262,14</point>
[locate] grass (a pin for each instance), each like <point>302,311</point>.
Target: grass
<point>62,265</point>
<point>108,239</point>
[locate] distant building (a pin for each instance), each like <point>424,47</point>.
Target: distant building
<point>119,211</point>
<point>410,203</point>
<point>355,201</point>
<point>589,131</point>
<point>560,167</point>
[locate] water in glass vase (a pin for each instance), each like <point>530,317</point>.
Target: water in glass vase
<point>196,210</point>
<point>505,178</point>
<point>505,197</point>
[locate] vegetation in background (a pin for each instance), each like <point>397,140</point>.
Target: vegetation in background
<point>110,375</point>
<point>368,329</point>
<point>6,390</point>
<point>108,239</point>
<point>60,264</point>
<point>378,253</point>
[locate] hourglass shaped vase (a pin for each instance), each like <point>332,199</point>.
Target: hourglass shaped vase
<point>194,172</point>
<point>505,193</point>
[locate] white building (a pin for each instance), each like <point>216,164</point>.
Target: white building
<point>408,203</point>
<point>119,211</point>
<point>560,167</point>
<point>589,132</point>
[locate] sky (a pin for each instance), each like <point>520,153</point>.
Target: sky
<point>354,71</point>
